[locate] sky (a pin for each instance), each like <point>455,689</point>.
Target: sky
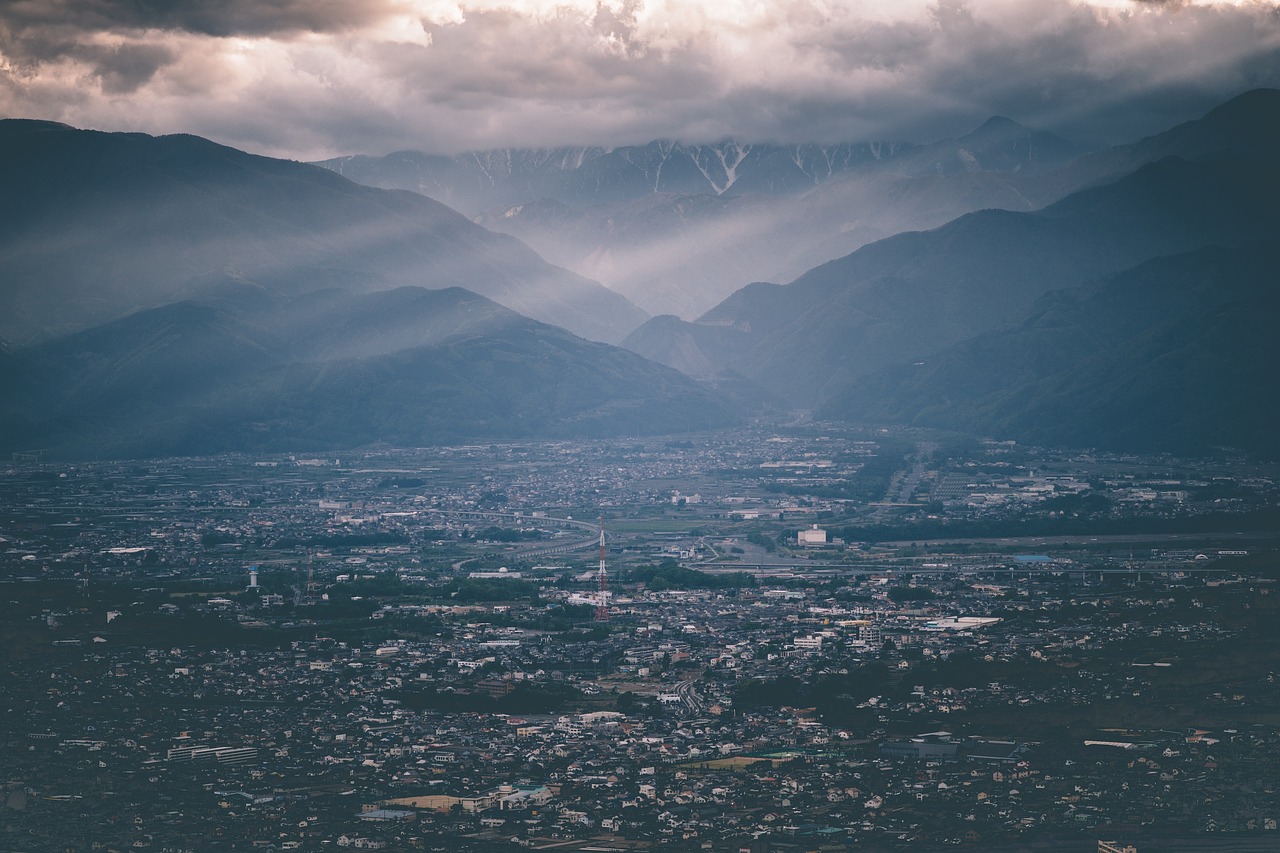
<point>308,79</point>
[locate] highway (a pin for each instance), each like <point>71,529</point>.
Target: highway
<point>539,550</point>
<point>688,693</point>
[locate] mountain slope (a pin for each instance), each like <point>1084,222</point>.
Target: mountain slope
<point>1247,126</point>
<point>902,298</point>
<point>1176,354</point>
<point>676,228</point>
<point>333,370</point>
<point>110,223</point>
<point>479,181</point>
<point>682,254</point>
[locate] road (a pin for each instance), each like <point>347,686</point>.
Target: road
<point>1085,541</point>
<point>529,552</point>
<point>688,693</point>
<point>838,569</point>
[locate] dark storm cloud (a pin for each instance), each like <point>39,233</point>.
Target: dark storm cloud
<point>206,17</point>
<point>308,79</point>
<point>123,43</point>
<point>123,68</point>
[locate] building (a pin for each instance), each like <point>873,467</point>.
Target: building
<point>1115,847</point>
<point>920,749</point>
<point>811,537</point>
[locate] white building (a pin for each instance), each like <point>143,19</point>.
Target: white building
<point>813,536</point>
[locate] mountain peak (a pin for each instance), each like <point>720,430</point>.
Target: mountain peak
<point>999,144</point>
<point>998,124</point>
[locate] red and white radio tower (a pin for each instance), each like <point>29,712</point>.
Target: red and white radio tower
<point>602,583</point>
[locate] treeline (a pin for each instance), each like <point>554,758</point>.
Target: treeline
<point>402,482</point>
<point>486,589</point>
<point>911,593</point>
<point>468,590</point>
<point>836,695</point>
<point>524,698</point>
<point>199,630</point>
<point>506,534</point>
<point>671,575</point>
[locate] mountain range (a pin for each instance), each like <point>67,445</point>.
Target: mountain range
<point>676,227</point>
<point>476,181</point>
<point>908,295</point>
<point>1178,353</point>
<point>823,341</point>
<point>103,224</point>
<point>167,295</point>
<point>249,371</point>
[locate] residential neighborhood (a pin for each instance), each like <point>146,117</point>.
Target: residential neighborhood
<point>434,651</point>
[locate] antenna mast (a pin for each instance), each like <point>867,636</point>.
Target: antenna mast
<point>602,583</point>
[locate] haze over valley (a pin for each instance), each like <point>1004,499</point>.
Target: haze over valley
<point>229,284</point>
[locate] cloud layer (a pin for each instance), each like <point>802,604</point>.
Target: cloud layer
<point>313,78</point>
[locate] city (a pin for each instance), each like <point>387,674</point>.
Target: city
<point>806,637</point>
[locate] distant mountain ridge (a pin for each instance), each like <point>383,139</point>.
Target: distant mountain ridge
<point>1179,353</point>
<point>903,297</point>
<point>478,181</point>
<point>210,300</point>
<point>1247,126</point>
<point>333,370</point>
<point>822,341</point>
<point>98,225</point>
<point>677,227</point>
